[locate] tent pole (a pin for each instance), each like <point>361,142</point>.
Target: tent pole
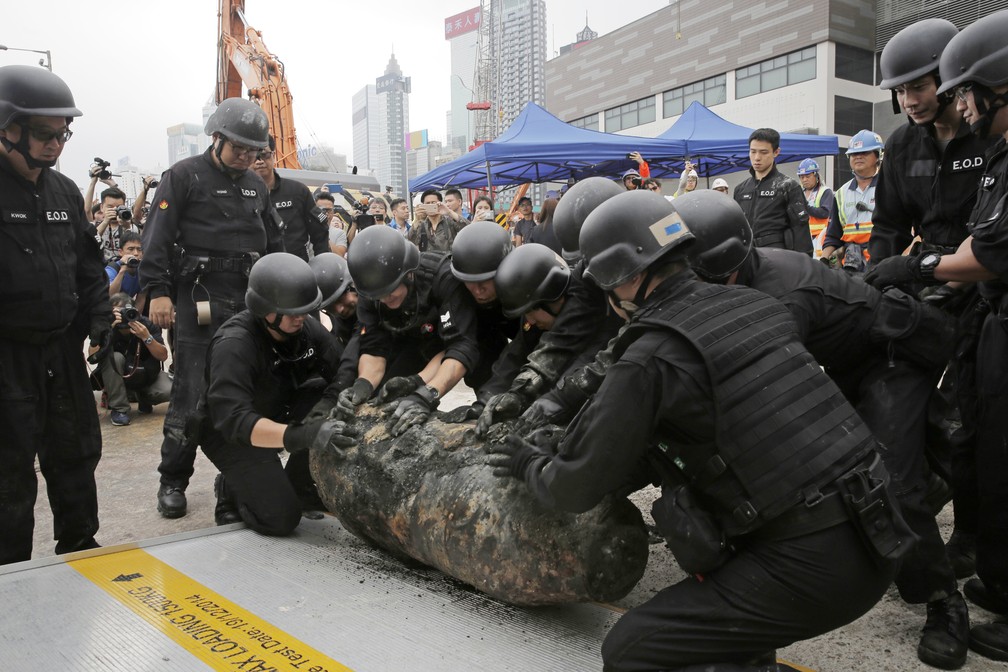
<point>489,184</point>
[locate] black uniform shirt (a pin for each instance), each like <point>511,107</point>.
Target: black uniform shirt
<point>924,191</point>
<point>249,376</point>
<point>51,267</point>
<point>988,222</point>
<point>305,225</point>
<point>448,316</point>
<point>200,207</point>
<point>775,208</point>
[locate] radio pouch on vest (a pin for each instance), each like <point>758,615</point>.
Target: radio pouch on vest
<point>875,514</point>
<point>692,534</point>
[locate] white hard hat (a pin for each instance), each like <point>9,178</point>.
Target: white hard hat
<point>691,175</point>
<point>719,182</point>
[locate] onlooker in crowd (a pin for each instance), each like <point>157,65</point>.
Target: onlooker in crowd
<point>483,209</point>
<point>687,180</point>
<point>819,201</point>
<point>325,202</point>
<point>720,184</point>
<point>377,213</point>
<point>116,220</point>
<point>94,172</point>
<point>435,230</point>
<point>399,220</point>
<point>523,222</point>
<point>134,365</point>
<point>633,178</point>
<point>53,293</point>
<point>543,232</point>
<point>197,292</point>
<point>773,202</point>
<point>305,225</point>
<point>122,272</point>
<point>455,205</point>
<point>140,207</point>
<point>846,241</point>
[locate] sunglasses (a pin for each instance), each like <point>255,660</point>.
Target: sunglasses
<point>264,154</point>
<point>43,134</point>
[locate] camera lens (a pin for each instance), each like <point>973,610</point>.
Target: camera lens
<point>124,213</point>
<point>132,262</point>
<point>129,314</point>
<point>153,183</point>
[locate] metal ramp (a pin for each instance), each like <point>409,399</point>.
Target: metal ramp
<point>318,601</point>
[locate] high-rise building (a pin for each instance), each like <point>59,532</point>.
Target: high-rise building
<point>462,33</point>
<point>521,48</point>
<point>380,120</point>
<point>185,140</point>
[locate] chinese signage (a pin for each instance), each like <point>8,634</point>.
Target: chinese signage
<point>463,23</point>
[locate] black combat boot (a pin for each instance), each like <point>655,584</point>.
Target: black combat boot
<point>961,549</point>
<point>171,501</point>
<point>946,633</point>
<point>225,512</point>
<point>977,593</point>
<point>990,640</point>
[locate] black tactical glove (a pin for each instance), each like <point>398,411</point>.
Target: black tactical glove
<point>470,412</point>
<point>940,296</point>
<point>101,338</point>
<point>335,436</point>
<point>500,407</point>
<point>300,435</point>
<point>894,271</point>
<point>413,409</point>
<point>400,386</point>
<point>352,397</point>
<point>543,411</point>
<point>516,458</point>
<point>546,438</point>
<point>324,406</point>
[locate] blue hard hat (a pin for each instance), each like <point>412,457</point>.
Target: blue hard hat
<point>865,141</point>
<point>807,167</point>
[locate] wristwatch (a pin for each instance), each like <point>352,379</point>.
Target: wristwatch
<point>927,265</point>
<point>148,340</point>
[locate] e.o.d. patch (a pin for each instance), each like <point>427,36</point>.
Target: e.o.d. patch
<point>669,229</point>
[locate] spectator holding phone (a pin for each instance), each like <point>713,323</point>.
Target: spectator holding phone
<point>122,273</point>
<point>633,178</point>
<point>436,230</point>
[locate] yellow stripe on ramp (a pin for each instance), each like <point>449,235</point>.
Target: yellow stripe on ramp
<point>212,628</point>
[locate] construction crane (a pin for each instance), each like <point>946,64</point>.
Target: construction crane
<point>482,106</point>
<point>242,58</point>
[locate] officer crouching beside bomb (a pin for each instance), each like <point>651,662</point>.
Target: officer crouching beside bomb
<point>772,489</point>
<point>255,400</point>
<point>418,327</point>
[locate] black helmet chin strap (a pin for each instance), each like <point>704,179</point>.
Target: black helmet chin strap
<point>632,306</point>
<point>21,147</point>
<point>987,103</point>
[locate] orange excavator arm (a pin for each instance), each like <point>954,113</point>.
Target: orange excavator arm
<point>242,57</point>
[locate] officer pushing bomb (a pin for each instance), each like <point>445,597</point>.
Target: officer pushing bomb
<point>258,367</point>
<point>54,292</point>
<point>789,543</point>
<point>339,303</point>
<point>210,221</point>
<point>585,317</point>
<point>418,328</point>
<point>927,187</point>
<point>477,252</point>
<point>974,65</point>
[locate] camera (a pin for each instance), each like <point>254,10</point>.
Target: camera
<point>363,221</point>
<point>636,181</point>
<point>129,313</point>
<point>103,174</point>
<point>153,183</point>
<point>124,213</point>
<point>132,262</point>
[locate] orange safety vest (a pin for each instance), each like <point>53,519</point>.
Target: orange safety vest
<point>817,225</point>
<point>847,212</point>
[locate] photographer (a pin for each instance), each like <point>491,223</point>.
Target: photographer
<point>633,178</point>
<point>117,219</point>
<point>123,272</point>
<point>98,172</point>
<point>377,213</point>
<point>325,202</point>
<point>434,229</point>
<point>140,207</point>
<point>135,362</point>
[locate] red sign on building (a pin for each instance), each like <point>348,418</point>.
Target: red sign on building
<point>463,23</point>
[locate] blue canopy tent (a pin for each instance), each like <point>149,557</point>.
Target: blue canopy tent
<point>538,147</point>
<point>718,146</point>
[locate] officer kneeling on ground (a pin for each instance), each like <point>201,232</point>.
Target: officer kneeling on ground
<point>772,489</point>
<point>256,365</point>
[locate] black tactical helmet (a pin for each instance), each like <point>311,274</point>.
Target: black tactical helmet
<point>628,233</point>
<point>331,275</point>
<point>914,51</point>
<point>576,204</point>
<point>240,121</point>
<point>978,54</point>
<point>723,235</point>
<point>379,259</point>
<point>284,284</point>
<point>478,250</point>
<point>26,91</point>
<point>532,274</point>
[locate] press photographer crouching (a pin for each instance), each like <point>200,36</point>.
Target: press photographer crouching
<point>134,367</point>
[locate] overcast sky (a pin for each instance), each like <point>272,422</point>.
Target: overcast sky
<point>137,68</point>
